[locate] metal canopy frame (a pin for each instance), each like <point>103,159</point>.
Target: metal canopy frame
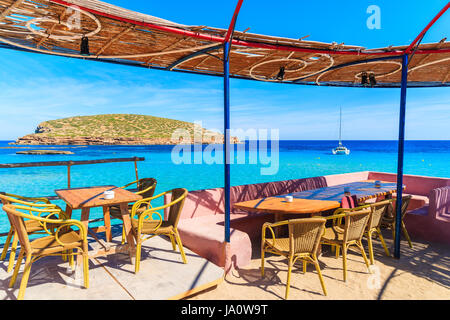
<point>227,41</point>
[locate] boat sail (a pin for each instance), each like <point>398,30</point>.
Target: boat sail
<point>340,149</point>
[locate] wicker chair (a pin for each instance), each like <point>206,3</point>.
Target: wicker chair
<point>374,225</point>
<point>145,187</point>
<point>351,234</point>
<point>303,243</point>
<point>32,226</point>
<point>61,240</point>
<point>388,220</point>
<point>144,225</point>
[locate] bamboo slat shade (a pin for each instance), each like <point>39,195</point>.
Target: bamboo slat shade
<point>123,36</point>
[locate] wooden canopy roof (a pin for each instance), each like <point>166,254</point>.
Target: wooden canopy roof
<point>121,36</point>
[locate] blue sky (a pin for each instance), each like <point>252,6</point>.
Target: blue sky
<point>35,88</point>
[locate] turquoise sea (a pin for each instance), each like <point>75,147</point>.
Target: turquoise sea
<point>297,159</point>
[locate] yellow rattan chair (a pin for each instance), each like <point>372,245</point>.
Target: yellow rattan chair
<point>347,235</point>
<point>61,240</point>
<point>388,220</point>
<point>374,225</point>
<point>303,243</point>
<point>32,226</point>
<point>145,227</point>
<point>145,187</point>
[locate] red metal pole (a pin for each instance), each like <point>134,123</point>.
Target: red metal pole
<point>436,18</point>
<point>233,21</point>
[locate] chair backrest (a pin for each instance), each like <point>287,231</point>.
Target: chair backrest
<point>178,196</point>
<point>305,234</point>
<point>378,211</point>
<point>355,224</point>
<point>148,184</point>
<point>405,204</point>
<point>16,219</point>
<point>392,210</point>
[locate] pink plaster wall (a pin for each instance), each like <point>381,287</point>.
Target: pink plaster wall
<point>420,185</point>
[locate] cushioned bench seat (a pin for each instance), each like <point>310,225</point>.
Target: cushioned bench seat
<point>417,201</point>
<point>422,211</point>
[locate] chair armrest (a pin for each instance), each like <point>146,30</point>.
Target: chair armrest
<point>147,200</point>
<point>148,215</point>
<point>146,190</point>
<point>29,199</point>
<point>270,226</point>
<point>47,220</point>
<point>129,184</point>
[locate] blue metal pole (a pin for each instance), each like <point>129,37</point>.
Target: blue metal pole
<point>401,149</point>
<point>226,100</point>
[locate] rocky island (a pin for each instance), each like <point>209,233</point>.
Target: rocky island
<point>118,129</point>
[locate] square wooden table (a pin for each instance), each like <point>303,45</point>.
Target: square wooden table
<point>91,197</point>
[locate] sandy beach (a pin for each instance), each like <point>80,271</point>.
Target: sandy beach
<point>422,273</point>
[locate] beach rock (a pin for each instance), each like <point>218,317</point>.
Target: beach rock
<point>44,152</point>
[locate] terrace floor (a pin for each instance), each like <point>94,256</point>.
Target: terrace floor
<point>422,272</point>
<point>162,275</point>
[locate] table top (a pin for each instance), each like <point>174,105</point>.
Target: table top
<point>316,200</point>
<point>363,190</point>
<point>280,205</point>
<point>79,198</point>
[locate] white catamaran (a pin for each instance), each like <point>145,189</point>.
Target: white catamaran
<point>340,149</point>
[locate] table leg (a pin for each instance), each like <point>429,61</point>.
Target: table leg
<point>107,222</point>
<point>128,230</point>
<point>278,218</point>
<point>68,212</point>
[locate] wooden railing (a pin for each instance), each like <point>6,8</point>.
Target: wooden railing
<point>69,164</point>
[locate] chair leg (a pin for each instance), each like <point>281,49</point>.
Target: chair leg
<point>370,245</point>
<point>86,267</point>
<point>405,233</point>
<point>361,248</point>
<point>138,255</point>
<point>172,240</point>
<point>12,254</point>
<point>16,269</point>
<point>180,245</point>
<point>71,258</point>
<point>383,243</point>
<point>6,246</point>
<point>322,283</point>
<point>123,234</point>
<point>305,265</point>
<point>344,260</point>
<point>288,283</point>
<point>64,256</point>
<point>26,275</point>
<point>262,260</point>
<point>337,251</point>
